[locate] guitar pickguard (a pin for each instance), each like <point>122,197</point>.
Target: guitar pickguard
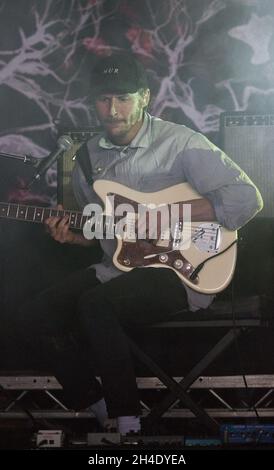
<point>143,253</point>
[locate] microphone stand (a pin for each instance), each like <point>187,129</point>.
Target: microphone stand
<point>28,159</point>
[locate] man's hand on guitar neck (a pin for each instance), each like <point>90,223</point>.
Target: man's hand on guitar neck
<point>58,229</point>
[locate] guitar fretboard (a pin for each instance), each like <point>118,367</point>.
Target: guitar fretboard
<point>40,214</point>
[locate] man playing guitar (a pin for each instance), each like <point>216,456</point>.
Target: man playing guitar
<point>138,158</point>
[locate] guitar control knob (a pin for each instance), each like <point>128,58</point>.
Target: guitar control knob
<point>126,261</point>
<point>163,258</point>
<point>178,263</point>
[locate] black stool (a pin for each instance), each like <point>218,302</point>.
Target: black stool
<point>236,320</point>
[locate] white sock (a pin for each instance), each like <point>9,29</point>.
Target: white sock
<point>127,424</point>
<point>100,411</point>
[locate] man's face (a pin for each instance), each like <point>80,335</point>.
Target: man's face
<point>121,115</point>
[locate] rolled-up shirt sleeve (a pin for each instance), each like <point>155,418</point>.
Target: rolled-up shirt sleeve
<point>215,176</point>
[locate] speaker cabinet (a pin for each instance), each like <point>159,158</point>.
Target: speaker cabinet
<point>249,140</point>
<point>65,194</point>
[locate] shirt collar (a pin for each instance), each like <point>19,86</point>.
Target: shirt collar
<point>140,140</point>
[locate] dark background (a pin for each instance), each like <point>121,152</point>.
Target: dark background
<point>203,58</point>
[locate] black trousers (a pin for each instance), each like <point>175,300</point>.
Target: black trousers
<point>96,315</point>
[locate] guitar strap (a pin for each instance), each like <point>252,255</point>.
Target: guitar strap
<point>83,159</point>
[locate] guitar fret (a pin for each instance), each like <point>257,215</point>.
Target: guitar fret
<point>69,215</point>
<point>38,214</point>
<point>12,211</point>
<point>72,221</point>
<point>30,216</point>
<point>46,214</point>
<point>82,221</point>
<point>53,212</point>
<point>21,212</point>
<point>78,220</point>
<point>4,209</point>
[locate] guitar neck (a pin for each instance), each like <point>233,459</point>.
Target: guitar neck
<point>40,214</point>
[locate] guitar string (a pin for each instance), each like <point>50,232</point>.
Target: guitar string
<point>207,230</point>
<point>207,233</point>
<point>58,213</point>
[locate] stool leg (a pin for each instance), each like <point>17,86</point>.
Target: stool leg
<point>179,390</point>
<point>176,389</point>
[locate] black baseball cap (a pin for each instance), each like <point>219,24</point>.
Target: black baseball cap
<point>118,73</point>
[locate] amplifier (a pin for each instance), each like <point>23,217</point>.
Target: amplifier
<point>249,140</point>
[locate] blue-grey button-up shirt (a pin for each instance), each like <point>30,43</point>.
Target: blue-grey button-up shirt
<point>161,155</point>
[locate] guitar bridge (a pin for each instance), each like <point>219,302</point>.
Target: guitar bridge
<point>207,237</point>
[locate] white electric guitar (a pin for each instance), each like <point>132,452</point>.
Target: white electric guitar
<point>205,261</point>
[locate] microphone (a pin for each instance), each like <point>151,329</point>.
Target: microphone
<point>63,143</point>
